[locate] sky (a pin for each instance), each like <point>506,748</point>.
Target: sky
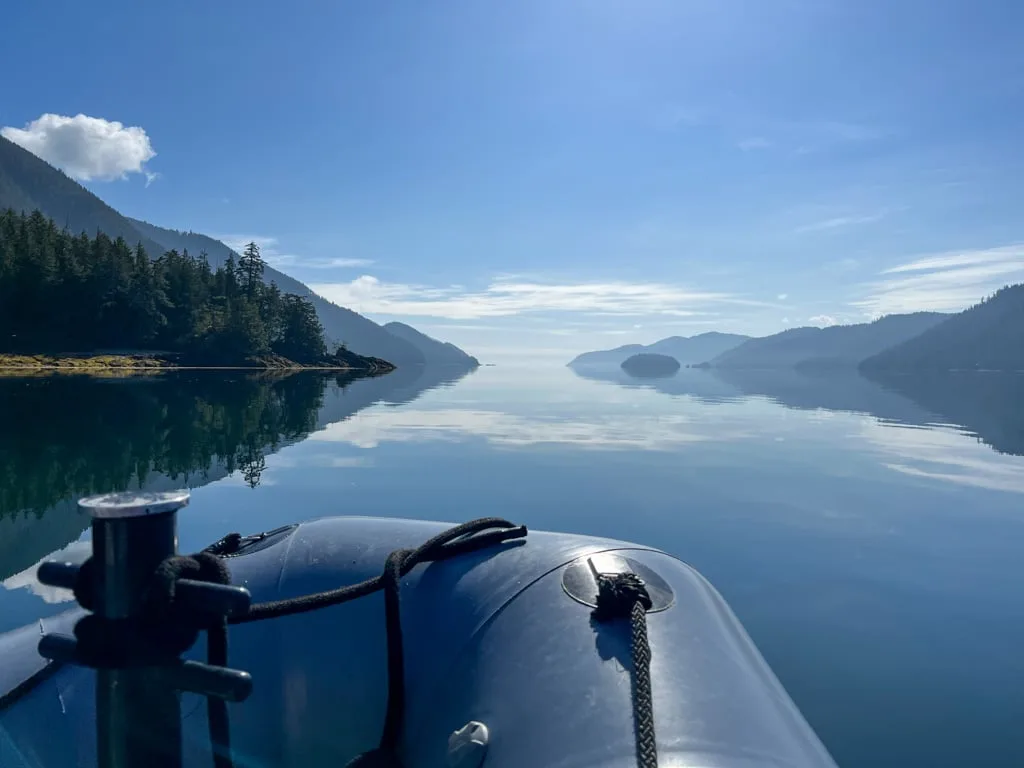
<point>544,177</point>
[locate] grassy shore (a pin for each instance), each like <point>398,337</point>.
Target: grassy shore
<point>17,364</point>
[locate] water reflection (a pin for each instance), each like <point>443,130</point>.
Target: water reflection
<point>989,406</point>
<point>871,549</point>
<point>65,437</point>
<point>692,382</point>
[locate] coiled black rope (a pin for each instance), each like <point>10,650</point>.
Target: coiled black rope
<point>624,595</point>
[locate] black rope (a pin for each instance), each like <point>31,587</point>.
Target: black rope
<point>165,630</point>
<point>461,539</point>
<point>216,708</point>
<point>467,537</point>
<point>623,595</point>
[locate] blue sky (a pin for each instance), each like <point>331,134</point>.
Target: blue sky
<point>545,177</point>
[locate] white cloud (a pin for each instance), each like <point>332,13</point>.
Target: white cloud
<point>505,297</point>
<point>823,320</point>
<point>151,177</point>
<point>271,252</point>
<point>782,296</point>
<point>85,147</point>
<point>945,282</point>
<point>958,259</point>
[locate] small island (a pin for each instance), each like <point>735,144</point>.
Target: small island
<point>80,304</point>
<point>650,365</point>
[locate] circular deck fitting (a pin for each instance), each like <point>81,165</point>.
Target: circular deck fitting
<point>116,506</point>
<point>579,580</point>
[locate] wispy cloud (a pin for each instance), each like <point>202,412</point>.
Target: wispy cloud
<point>823,321</point>
<point>151,177</point>
<point>782,296</point>
<point>505,297</point>
<point>335,263</point>
<point>271,251</point>
<point>838,222</point>
<point>944,282</point>
<point>958,259</point>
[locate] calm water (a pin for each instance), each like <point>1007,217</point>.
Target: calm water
<point>869,535</point>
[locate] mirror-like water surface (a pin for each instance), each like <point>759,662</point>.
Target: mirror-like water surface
<point>867,533</point>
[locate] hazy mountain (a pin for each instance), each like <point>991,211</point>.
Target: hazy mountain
<point>988,336</point>
<point>434,352</point>
<point>360,335</point>
<point>839,346</point>
<point>687,350</point>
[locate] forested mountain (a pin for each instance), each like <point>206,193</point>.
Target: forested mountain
<point>434,352</point>
<point>359,334</point>
<point>77,294</point>
<point>28,183</point>
<point>839,346</point>
<point>988,336</point>
<point>687,350</point>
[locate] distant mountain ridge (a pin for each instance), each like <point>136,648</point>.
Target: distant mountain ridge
<point>838,346</point>
<point>29,183</point>
<point>988,336</point>
<point>434,352</point>
<point>686,350</point>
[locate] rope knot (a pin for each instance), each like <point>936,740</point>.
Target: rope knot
<point>162,631</point>
<point>202,566</point>
<point>617,593</point>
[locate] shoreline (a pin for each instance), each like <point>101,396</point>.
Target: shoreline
<point>13,363</point>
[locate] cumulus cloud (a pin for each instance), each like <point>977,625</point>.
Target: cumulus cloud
<point>270,250</point>
<point>511,296</point>
<point>86,148</point>
<point>823,321</point>
<point>944,282</point>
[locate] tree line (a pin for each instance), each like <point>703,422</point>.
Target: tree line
<point>65,293</point>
